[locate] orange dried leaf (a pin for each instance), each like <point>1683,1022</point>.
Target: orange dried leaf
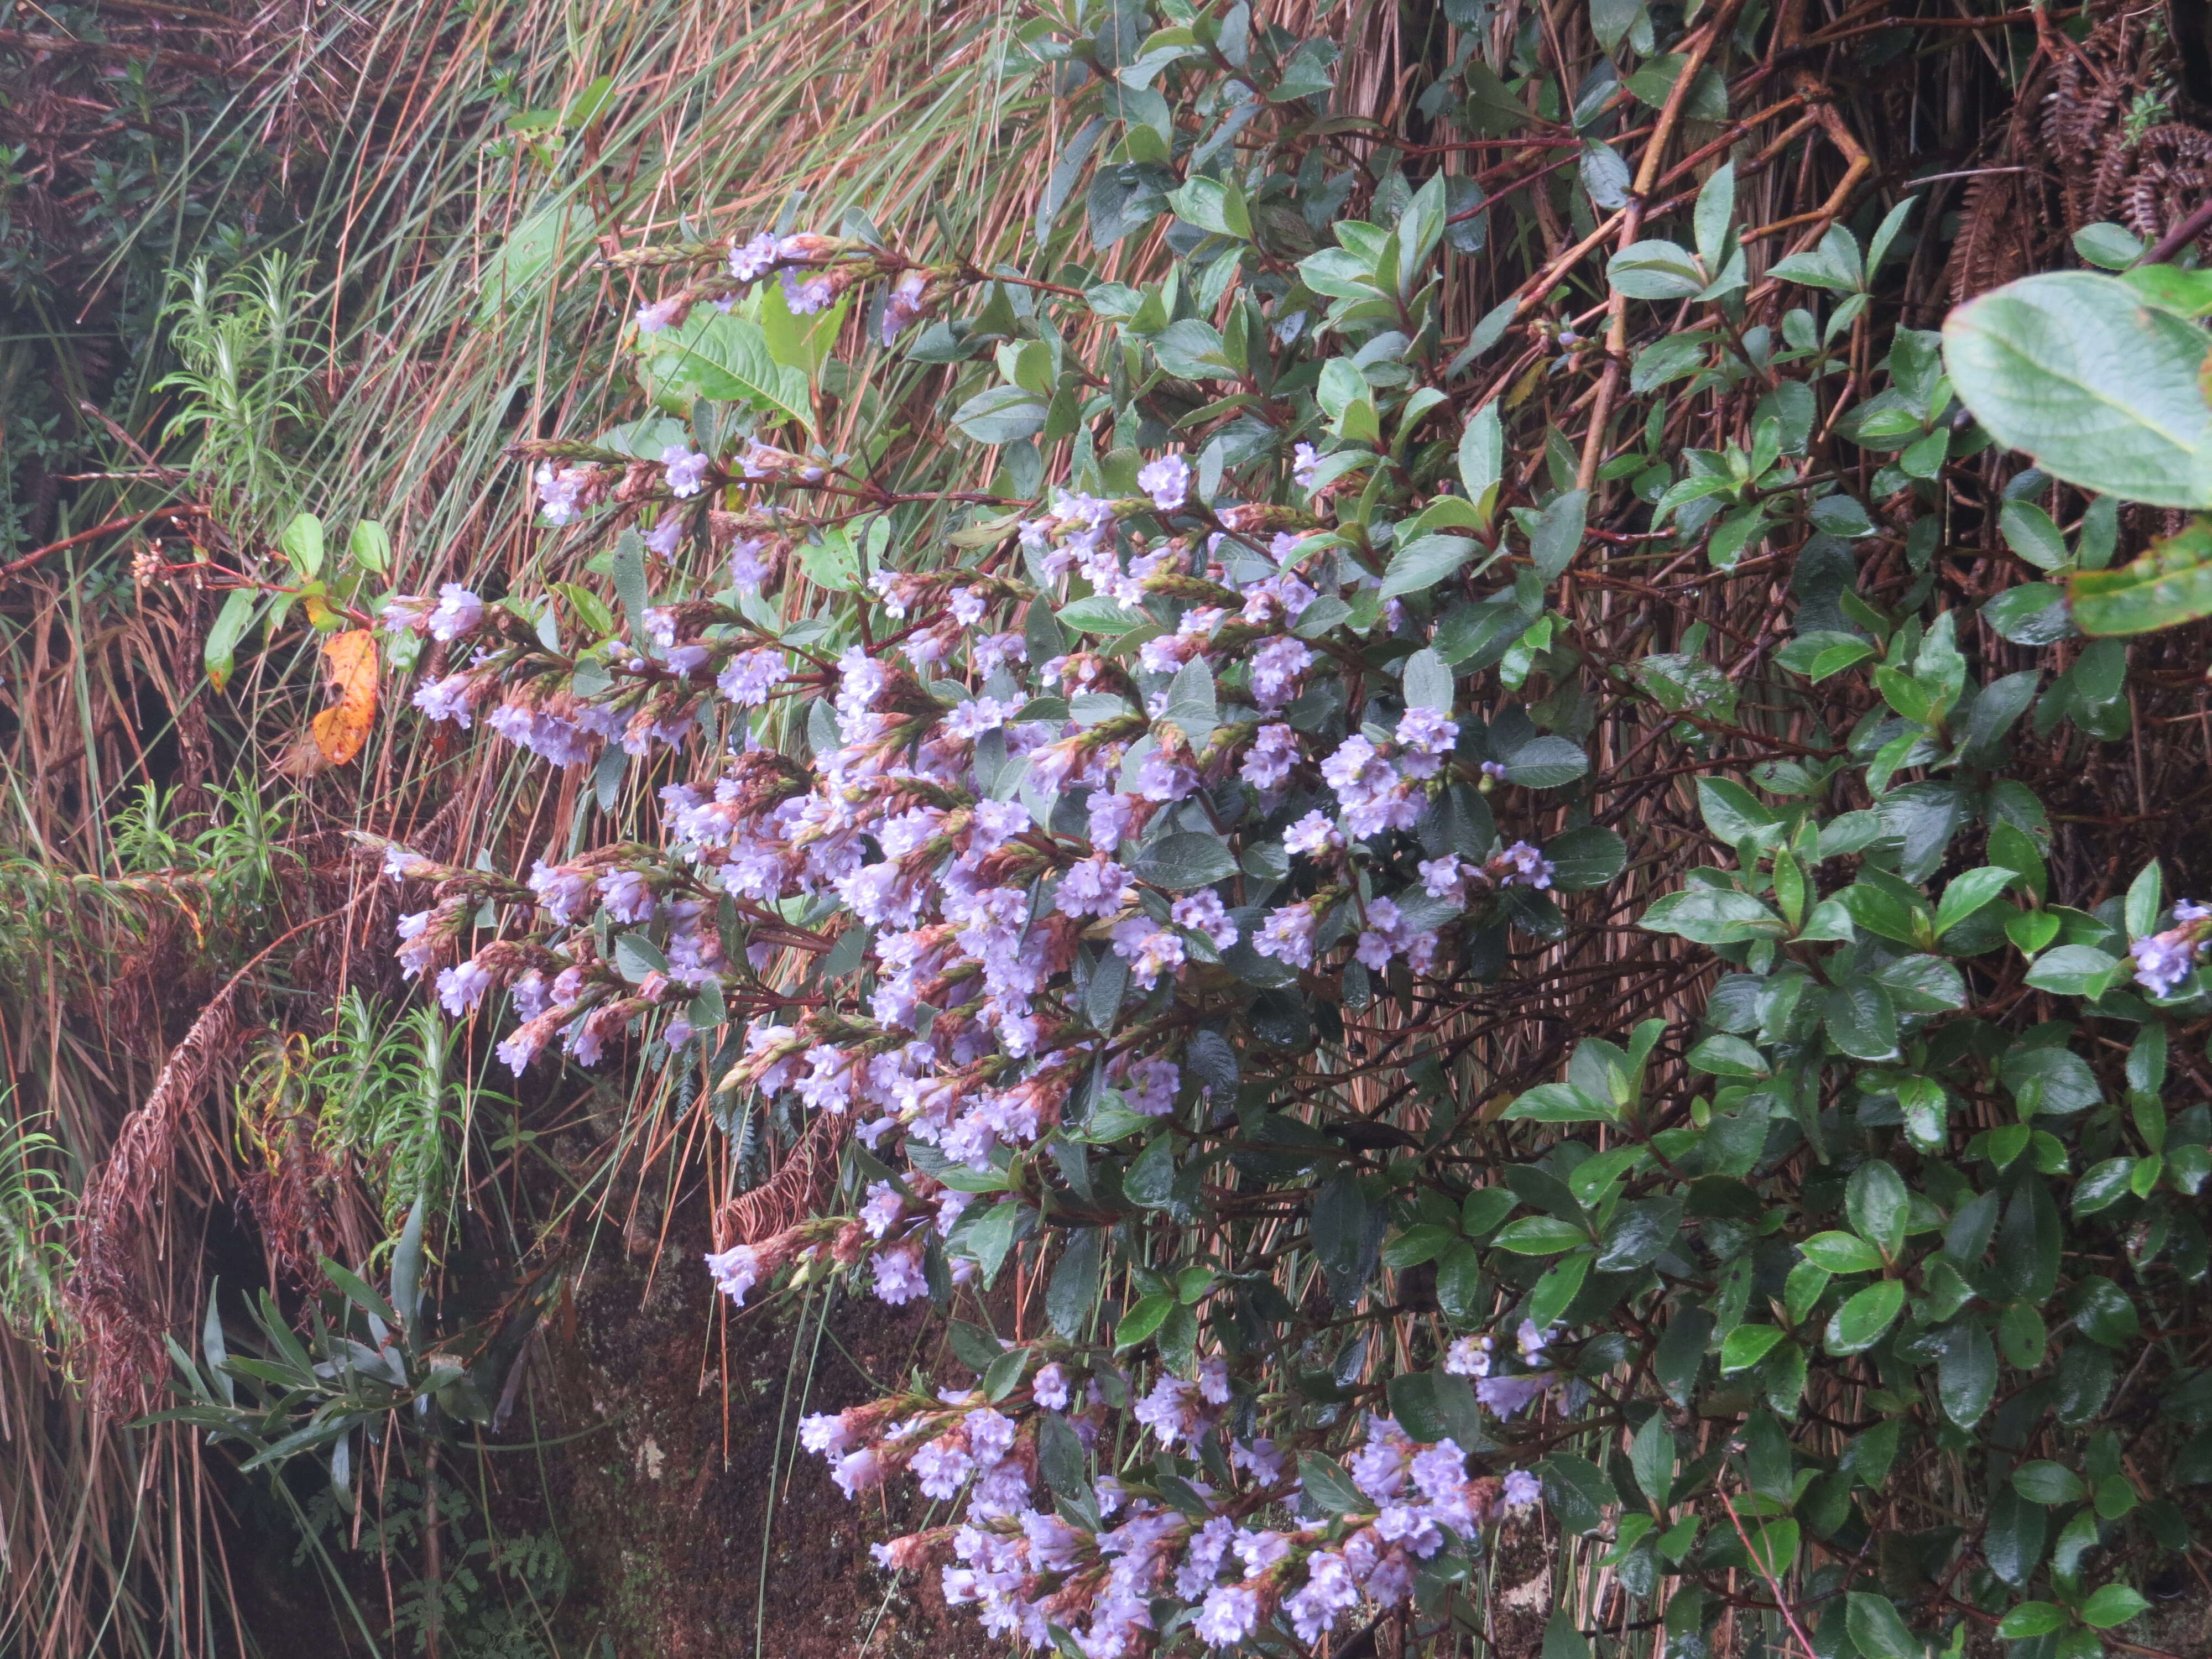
<point>349,658</point>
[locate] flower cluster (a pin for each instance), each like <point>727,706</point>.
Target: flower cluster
<point>988,869</point>
<point>2164,960</point>
<point>1094,1560</point>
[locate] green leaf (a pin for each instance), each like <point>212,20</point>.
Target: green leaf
<point>806,342</point>
<point>1655,270</point>
<point>2076,970</point>
<point>1723,1055</point>
<point>2033,613</point>
<point>1774,1548</point>
<point>722,356</point>
<point>1424,561</point>
<point>1186,860</point>
<point>1745,1346</point>
<point>2013,1542</point>
<point>2115,1604</point>
<point>1002,415</point>
<point>1074,1290</point>
<point>2029,532</point>
<point>1191,703</point>
<point>1540,1235</point>
<point>300,541</point>
<point>2031,1619</point>
<point>2168,585</point>
<point>358,1292</point>
<point>2047,1483</point>
<point>1841,1253</point>
<point>1437,1405</point>
<point>1193,350</point>
<point>1427,682</point>
<point>1563,1637</point>
<point>1482,453</point>
<point>1144,1317</point>
<point>1559,1103</point>
<point>637,955</point>
<point>1545,762</point>
<point>1651,1458</point>
<point>1861,1019</point>
<point>1734,814</point>
<point>1862,1322</point>
<point>1577,1491</point>
<point>1876,1630</point>
<point>227,629</point>
<point>1060,1458</point>
<point>1329,1485</point>
<point>1556,535</point>
<point>1099,615</point>
<point>1968,893</point>
<point>1712,916</point>
<point>2100,388</point>
<point>1559,1285</point>
<point>369,546</point>
<point>2104,1312</point>
<point>407,1267</point>
<point>1590,856</point>
<point>1967,1375</point>
<point>1880,1207</point>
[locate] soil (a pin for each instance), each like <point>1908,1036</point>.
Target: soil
<point>663,1512</point>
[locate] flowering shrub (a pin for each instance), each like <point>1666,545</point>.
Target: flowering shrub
<point>1106,870</point>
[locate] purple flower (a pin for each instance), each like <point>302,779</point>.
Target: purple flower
<point>664,537</point>
<point>560,491</point>
<point>1311,836</point>
<point>458,612</point>
<point>1523,1489</point>
<point>858,1472</point>
<point>805,296</point>
<point>903,303</point>
<point>824,1433</point>
<point>2164,960</point>
<point>899,1278</point>
<point>406,613</point>
<point>747,570</point>
<point>1095,887</point>
<point>448,699</point>
<point>662,314</point>
<point>1276,666</point>
<point>1329,1592</point>
<point>1468,1356</point>
<point>1273,752</point>
<point>627,895</point>
<point>564,891</point>
<point>750,262</point>
<point>1509,1395</point>
<point>735,1271</point>
<point>1203,912</point>
<point>939,1465</point>
<point>687,470</point>
<point>1167,481</point>
<point>461,986</point>
<point>882,1209</point>
<point>749,677</point>
<point>1305,467</point>
<point>1287,935</point>
<point>1231,1613</point>
<point>1525,864</point>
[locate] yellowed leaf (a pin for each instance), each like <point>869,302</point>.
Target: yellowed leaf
<point>349,660</point>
